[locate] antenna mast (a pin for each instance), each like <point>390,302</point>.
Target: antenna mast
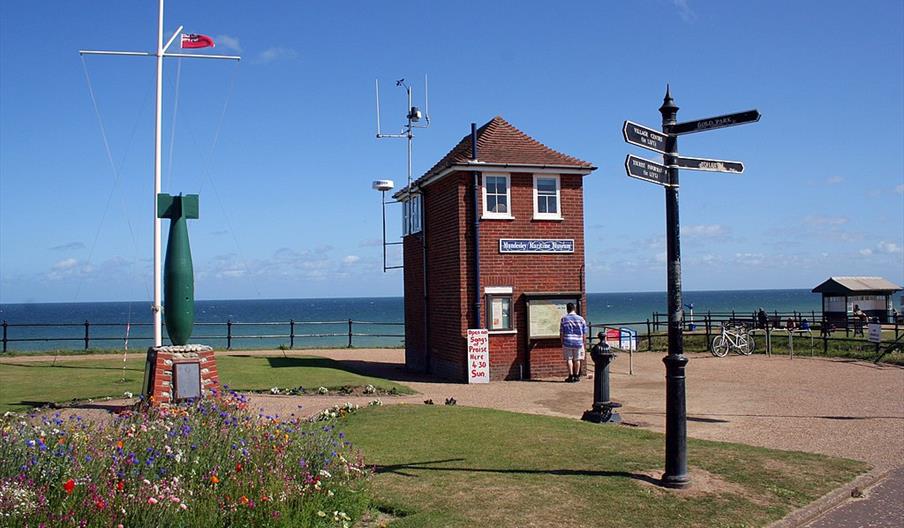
<point>412,119</point>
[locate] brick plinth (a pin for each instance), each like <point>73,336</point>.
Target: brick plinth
<point>161,361</point>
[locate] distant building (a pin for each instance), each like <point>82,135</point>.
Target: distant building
<point>524,203</point>
<point>872,294</point>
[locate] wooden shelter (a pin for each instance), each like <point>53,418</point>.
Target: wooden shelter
<point>872,294</point>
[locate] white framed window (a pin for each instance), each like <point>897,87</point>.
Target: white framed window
<point>412,213</point>
<point>547,197</point>
<point>499,309</point>
<point>497,195</point>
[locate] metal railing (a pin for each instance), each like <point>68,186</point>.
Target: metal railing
<point>294,331</point>
<point>707,326</point>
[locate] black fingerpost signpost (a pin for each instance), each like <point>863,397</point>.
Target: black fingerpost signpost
<point>666,174</point>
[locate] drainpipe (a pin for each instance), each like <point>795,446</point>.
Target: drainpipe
<point>475,229</point>
<point>427,366</point>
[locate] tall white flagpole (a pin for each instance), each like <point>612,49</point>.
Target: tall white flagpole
<point>160,53</point>
<point>157,308</point>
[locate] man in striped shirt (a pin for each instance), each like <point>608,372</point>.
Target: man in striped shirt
<point>573,329</point>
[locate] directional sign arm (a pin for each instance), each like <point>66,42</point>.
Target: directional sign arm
<point>647,170</point>
<point>703,164</point>
<point>645,137</point>
<point>712,123</point>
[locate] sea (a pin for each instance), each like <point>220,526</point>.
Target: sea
<point>375,321</point>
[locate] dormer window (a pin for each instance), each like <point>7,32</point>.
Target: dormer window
<point>497,196</point>
<point>547,197</point>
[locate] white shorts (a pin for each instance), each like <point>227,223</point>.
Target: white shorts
<point>573,354</point>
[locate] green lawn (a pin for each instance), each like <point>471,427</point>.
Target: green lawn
<point>28,384</point>
<point>440,466</point>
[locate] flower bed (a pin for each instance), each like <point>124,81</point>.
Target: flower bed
<point>209,463</point>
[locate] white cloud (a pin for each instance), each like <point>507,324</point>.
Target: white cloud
<point>704,231</point>
<point>228,42</point>
<point>65,264</point>
<point>834,180</point>
<point>750,259</point>
<point>899,188</point>
<point>350,259</point>
<point>866,252</point>
<point>276,53</point>
<point>687,14</point>
<point>889,247</point>
<point>71,246</point>
<point>817,220</point>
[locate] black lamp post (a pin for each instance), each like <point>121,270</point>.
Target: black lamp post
<point>675,475</point>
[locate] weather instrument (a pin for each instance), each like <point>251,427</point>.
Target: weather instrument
<point>413,117</point>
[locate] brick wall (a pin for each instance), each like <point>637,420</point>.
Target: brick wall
<point>448,216</point>
<point>446,348</point>
<point>415,345</point>
<point>161,383</point>
<point>511,355</point>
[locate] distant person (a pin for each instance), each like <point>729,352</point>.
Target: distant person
<point>572,330</point>
<point>859,318</point>
<point>789,324</point>
<point>762,320</point>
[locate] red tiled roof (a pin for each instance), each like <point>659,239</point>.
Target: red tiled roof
<point>501,143</point>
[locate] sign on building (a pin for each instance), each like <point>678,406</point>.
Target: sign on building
<point>535,245</point>
<point>478,355</point>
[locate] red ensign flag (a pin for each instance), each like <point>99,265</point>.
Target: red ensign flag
<point>196,41</point>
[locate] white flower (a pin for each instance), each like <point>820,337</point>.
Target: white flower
<point>127,394</point>
<point>323,390</point>
<point>325,474</point>
<point>274,390</point>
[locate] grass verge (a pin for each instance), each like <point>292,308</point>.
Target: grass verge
<point>24,385</point>
<point>459,466</point>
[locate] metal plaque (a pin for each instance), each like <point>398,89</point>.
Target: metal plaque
<point>647,170</point>
<point>186,380</point>
<point>712,123</point>
<point>703,164</point>
<point>645,137</point>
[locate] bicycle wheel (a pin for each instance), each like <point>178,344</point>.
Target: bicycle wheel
<point>744,345</point>
<point>719,346</point>
<point>751,345</point>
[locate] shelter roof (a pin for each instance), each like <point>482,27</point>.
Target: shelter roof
<point>852,285</point>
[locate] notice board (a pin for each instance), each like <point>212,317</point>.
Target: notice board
<point>545,312</point>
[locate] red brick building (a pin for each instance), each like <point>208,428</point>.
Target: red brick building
<point>528,263</point>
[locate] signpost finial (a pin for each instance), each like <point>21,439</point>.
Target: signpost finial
<point>669,109</point>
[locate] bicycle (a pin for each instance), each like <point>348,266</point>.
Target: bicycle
<point>737,339</point>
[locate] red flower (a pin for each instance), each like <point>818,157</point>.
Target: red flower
<point>69,485</point>
<point>120,486</point>
<point>238,467</point>
<point>100,504</point>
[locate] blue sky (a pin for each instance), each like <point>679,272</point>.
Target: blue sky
<point>286,205</point>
